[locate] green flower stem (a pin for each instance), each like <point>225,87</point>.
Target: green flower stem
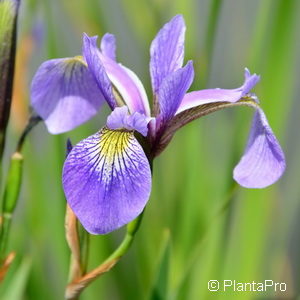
<point>13,186</point>
<point>11,195</point>
<point>132,229</point>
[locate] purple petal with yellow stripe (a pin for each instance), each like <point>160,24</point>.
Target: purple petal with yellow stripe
<point>65,94</point>
<point>167,51</point>
<point>263,162</point>
<point>107,180</point>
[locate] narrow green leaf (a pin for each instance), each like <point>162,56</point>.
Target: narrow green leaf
<point>8,20</point>
<point>160,287</point>
<point>18,283</point>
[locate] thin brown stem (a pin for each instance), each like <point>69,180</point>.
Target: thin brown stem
<point>6,264</point>
<point>73,242</point>
<point>75,288</point>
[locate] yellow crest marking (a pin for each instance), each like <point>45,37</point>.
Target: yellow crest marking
<point>113,143</point>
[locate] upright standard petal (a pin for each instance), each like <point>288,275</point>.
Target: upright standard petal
<point>118,77</point>
<point>263,162</point>
<point>202,97</point>
<point>172,91</point>
<point>92,54</point>
<point>167,51</point>
<point>108,46</point>
<point>107,180</point>
<point>128,86</point>
<point>65,94</point>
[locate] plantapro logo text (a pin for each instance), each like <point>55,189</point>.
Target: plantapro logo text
<point>237,286</point>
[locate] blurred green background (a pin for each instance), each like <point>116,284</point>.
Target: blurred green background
<point>198,225</point>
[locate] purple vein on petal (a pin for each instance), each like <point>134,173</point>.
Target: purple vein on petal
<point>263,162</point>
<point>107,180</point>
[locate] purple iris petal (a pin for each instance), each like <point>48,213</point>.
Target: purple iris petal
<point>128,85</point>
<point>250,81</point>
<point>107,180</point>
<point>65,94</point>
<point>172,90</point>
<point>120,118</point>
<point>263,161</point>
<point>201,97</point>
<point>123,79</point>
<point>108,46</point>
<point>92,56</point>
<point>167,51</point>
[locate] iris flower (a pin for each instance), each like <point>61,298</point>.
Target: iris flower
<point>107,176</point>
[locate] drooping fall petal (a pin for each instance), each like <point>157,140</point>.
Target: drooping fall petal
<point>263,162</point>
<point>65,94</point>
<point>107,180</point>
